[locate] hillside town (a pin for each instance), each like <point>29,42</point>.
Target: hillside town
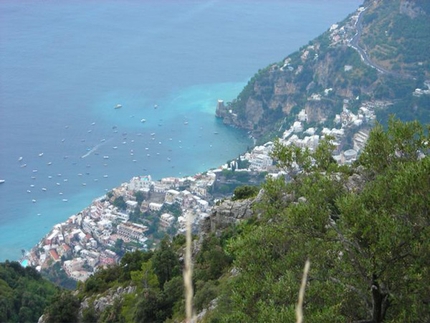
<point>137,214</point>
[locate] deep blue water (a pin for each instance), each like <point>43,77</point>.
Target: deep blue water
<point>65,65</point>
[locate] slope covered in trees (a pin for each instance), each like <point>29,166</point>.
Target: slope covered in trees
<point>393,36</point>
<point>364,227</point>
<point>24,294</point>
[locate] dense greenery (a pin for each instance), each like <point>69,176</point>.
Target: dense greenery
<point>364,227</point>
<point>24,294</point>
<point>245,192</point>
<point>395,36</point>
<point>398,40</point>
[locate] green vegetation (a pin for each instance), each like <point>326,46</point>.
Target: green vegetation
<point>394,35</point>
<point>244,192</point>
<point>24,294</point>
<point>368,243</point>
<point>364,228</point>
<point>57,275</point>
<point>398,41</point>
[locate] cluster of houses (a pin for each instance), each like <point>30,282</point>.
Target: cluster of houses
<point>88,240</point>
<point>95,236</point>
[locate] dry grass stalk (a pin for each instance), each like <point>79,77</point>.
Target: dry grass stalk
<point>299,307</point>
<point>188,274</point>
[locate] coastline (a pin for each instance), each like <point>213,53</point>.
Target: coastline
<point>139,213</point>
<point>111,81</point>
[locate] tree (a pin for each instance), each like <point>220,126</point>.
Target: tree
<point>145,278</point>
<point>165,262</point>
<point>244,192</point>
<point>120,203</point>
<point>365,230</point>
<point>63,309</point>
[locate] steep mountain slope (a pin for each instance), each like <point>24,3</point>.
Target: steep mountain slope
<point>377,55</point>
<point>23,293</point>
<point>364,227</point>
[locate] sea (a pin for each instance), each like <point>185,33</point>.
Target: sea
<point>93,93</point>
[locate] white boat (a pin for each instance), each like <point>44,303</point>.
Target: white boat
<point>118,106</point>
<point>34,201</point>
<point>106,157</point>
<point>43,189</point>
<point>65,200</point>
<point>2,181</point>
<point>142,120</point>
<point>41,154</point>
<point>20,158</point>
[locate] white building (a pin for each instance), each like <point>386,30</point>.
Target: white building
<point>131,231</point>
<point>170,196</point>
<point>155,206</point>
<point>166,220</point>
<point>143,183</point>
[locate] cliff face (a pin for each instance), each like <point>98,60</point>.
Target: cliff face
<point>226,214</point>
<point>378,53</point>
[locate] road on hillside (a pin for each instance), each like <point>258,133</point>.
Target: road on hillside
<point>364,56</point>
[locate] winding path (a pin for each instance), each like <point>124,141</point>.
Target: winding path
<point>364,56</point>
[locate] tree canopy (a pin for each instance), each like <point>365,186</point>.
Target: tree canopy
<point>365,229</point>
<point>23,293</point>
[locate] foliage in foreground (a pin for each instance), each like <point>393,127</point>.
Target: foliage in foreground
<point>23,293</point>
<point>364,227</point>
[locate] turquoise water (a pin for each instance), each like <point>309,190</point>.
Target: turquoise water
<point>65,65</point>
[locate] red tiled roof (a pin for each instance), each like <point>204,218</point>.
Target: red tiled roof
<point>54,254</point>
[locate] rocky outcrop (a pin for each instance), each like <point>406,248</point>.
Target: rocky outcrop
<point>101,302</point>
<point>332,72</point>
<point>226,214</point>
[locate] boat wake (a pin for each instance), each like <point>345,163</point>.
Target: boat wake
<point>94,148</point>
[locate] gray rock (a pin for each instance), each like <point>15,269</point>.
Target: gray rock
<point>227,213</point>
